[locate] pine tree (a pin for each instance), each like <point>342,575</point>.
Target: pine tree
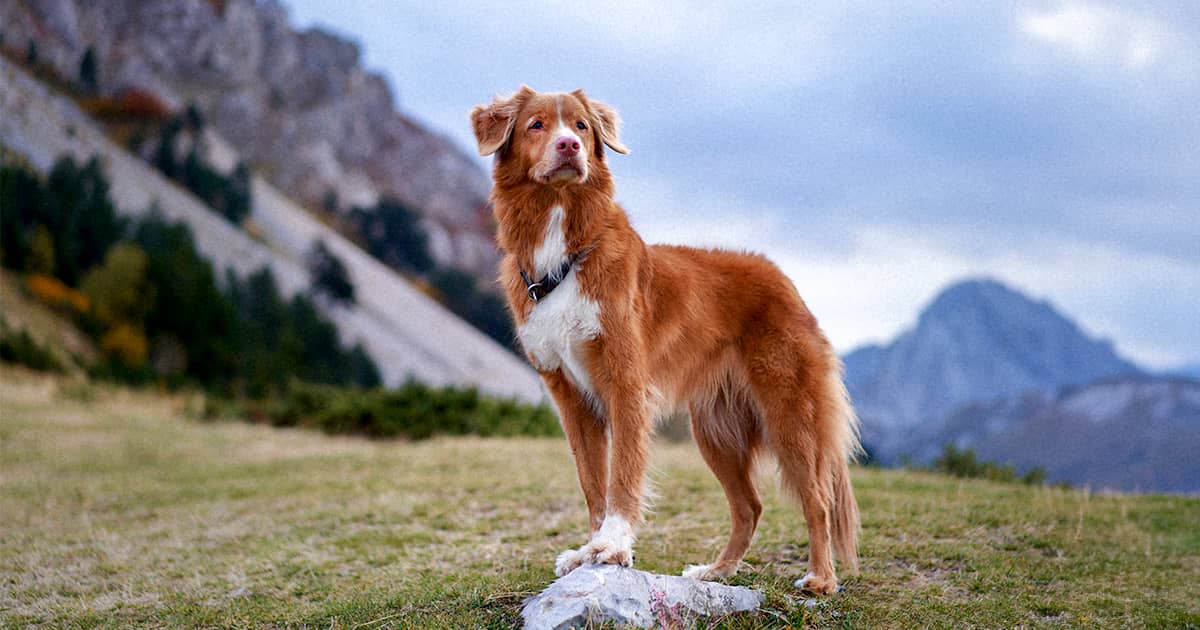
<point>329,273</point>
<point>88,76</point>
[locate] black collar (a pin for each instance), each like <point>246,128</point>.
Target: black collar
<point>542,288</point>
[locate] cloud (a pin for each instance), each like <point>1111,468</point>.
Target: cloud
<point>1092,32</point>
<point>877,151</point>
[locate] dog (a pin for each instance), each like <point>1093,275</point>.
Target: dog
<point>622,332</point>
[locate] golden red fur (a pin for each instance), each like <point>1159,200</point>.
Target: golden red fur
<point>656,328</point>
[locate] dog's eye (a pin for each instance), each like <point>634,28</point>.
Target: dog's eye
<point>537,124</point>
<point>580,125</point>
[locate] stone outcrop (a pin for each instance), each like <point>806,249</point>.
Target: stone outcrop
<point>599,593</point>
<point>298,105</point>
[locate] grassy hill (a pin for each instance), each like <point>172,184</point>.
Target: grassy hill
<point>119,508</point>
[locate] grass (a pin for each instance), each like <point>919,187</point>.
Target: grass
<point>118,509</point>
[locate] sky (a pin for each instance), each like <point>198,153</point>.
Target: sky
<point>876,151</point>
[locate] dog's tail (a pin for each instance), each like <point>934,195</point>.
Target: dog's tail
<point>844,526</point>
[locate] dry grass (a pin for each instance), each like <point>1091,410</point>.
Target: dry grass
<point>43,323</point>
<point>116,509</point>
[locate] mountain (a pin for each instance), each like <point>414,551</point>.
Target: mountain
<point>407,333</point>
<point>977,340</point>
<point>1128,433</point>
<point>297,104</point>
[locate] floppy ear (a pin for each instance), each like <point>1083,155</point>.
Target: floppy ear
<point>494,123</point>
<point>606,121</point>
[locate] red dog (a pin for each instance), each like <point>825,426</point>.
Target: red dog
<point>622,332</point>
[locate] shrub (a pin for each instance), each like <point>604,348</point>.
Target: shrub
<point>52,292</point>
<point>118,289</point>
<point>41,252</point>
<point>125,344</point>
<point>17,346</point>
<point>329,274</point>
<point>965,463</point>
<point>133,105</point>
<point>393,234</point>
<point>414,411</point>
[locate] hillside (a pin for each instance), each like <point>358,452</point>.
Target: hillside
<point>405,332</point>
<point>298,104</point>
<point>119,509</point>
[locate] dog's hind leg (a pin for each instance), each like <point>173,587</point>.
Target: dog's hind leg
<point>789,378</point>
<point>728,438</point>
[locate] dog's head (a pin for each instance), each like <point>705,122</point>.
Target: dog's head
<point>551,139</point>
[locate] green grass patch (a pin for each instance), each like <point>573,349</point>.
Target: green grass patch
<point>118,510</point>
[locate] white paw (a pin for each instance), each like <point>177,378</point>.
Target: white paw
<point>696,572</point>
<point>816,584</point>
<point>568,561</point>
<point>802,583</point>
<point>613,544</point>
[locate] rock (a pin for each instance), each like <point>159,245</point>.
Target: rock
<point>597,593</point>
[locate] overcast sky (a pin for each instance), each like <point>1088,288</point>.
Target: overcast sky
<point>876,151</point>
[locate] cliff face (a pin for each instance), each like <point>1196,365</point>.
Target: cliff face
<point>298,105</point>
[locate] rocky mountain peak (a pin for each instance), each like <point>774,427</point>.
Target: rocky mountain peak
<point>976,340</point>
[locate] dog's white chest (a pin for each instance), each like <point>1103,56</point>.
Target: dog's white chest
<point>564,320</point>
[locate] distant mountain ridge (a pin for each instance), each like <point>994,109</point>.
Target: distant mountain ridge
<point>977,340</point>
<point>1130,433</point>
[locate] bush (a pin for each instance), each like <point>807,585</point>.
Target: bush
<point>118,289</point>
<point>16,346</point>
<point>329,274</point>
<point>393,235</point>
<point>414,411</point>
<point>52,292</point>
<point>126,344</point>
<point>132,105</point>
<point>41,252</point>
<point>965,463</point>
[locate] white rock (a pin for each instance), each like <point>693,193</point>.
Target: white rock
<point>597,593</point>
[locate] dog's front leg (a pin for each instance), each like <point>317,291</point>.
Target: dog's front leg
<point>588,439</point>
<point>621,384</point>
